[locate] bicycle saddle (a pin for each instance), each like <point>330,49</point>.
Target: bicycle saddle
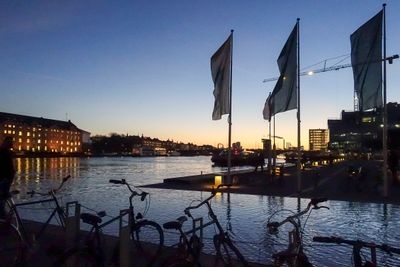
<point>177,224</point>
<point>90,218</point>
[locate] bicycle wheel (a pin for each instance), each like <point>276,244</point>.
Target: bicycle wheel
<point>79,258</point>
<point>11,245</point>
<point>227,252</point>
<point>148,238</point>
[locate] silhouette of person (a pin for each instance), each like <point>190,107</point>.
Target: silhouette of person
<point>7,172</point>
<point>393,162</point>
<point>260,161</point>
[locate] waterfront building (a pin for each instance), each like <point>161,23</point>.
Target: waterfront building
<point>40,135</point>
<point>361,132</point>
<point>318,139</point>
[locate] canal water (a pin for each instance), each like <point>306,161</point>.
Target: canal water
<point>244,216</point>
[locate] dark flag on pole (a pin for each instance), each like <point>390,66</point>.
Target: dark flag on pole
<point>221,74</point>
<point>366,60</point>
<point>284,95</point>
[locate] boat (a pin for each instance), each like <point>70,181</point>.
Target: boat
<point>241,158</point>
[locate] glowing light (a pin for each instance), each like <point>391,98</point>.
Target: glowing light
<point>310,73</point>
<point>217,180</point>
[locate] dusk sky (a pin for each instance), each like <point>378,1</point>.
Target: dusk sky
<point>143,67</point>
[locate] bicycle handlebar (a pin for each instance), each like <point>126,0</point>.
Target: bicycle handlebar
<point>273,226</point>
<point>359,243</point>
<point>33,192</point>
<point>142,195</point>
<point>213,193</point>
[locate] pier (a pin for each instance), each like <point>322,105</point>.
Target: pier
<point>330,181</point>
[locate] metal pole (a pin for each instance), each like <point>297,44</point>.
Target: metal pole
<point>274,148</point>
<point>298,110</point>
<point>230,118</point>
<point>385,149</point>
<point>269,149</point>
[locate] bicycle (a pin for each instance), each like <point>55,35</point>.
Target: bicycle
<point>90,252</point>
<point>189,248</point>
<point>357,246</point>
<point>15,242</point>
<point>294,255</point>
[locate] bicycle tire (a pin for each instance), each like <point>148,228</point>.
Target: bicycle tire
<point>80,257</point>
<point>145,232</point>
<point>11,245</point>
<point>227,252</point>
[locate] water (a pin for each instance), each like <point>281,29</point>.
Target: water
<point>244,215</point>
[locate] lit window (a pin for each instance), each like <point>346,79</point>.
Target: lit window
<point>9,126</point>
<point>20,133</point>
<point>28,134</point>
<point>13,132</point>
<point>19,148</point>
<point>33,135</point>
<point>45,141</point>
<point>28,140</point>
<point>28,147</point>
<point>45,148</point>
<point>13,126</point>
<point>39,141</point>
<point>38,148</point>
<point>34,129</point>
<point>19,140</point>
<point>9,131</point>
<point>67,142</point>
<point>5,131</point>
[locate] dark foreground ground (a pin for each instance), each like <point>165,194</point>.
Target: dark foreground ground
<point>52,244</point>
<point>329,181</point>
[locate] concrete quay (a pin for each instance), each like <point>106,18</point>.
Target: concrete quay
<point>328,181</point>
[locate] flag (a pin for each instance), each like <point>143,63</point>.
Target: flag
<point>366,58</point>
<point>221,74</point>
<point>284,95</point>
<point>267,108</point>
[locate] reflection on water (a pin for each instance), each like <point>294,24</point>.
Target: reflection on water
<point>244,216</point>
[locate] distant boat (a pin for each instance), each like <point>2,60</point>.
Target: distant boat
<point>242,158</point>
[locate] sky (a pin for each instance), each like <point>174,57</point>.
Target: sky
<point>143,67</point>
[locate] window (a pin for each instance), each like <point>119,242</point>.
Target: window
<point>20,133</point>
<point>28,134</point>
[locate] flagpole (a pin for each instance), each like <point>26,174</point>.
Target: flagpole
<point>270,141</point>
<point>298,110</point>
<point>274,146</point>
<point>385,148</point>
<point>230,118</point>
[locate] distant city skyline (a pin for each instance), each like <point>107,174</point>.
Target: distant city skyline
<point>138,67</point>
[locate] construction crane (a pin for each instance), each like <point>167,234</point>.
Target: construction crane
<point>333,67</point>
<point>336,67</point>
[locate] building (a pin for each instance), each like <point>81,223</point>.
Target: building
<point>362,131</point>
<point>318,139</point>
<point>40,135</point>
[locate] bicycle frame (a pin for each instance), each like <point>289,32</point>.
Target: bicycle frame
<point>57,210</point>
<point>357,246</point>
